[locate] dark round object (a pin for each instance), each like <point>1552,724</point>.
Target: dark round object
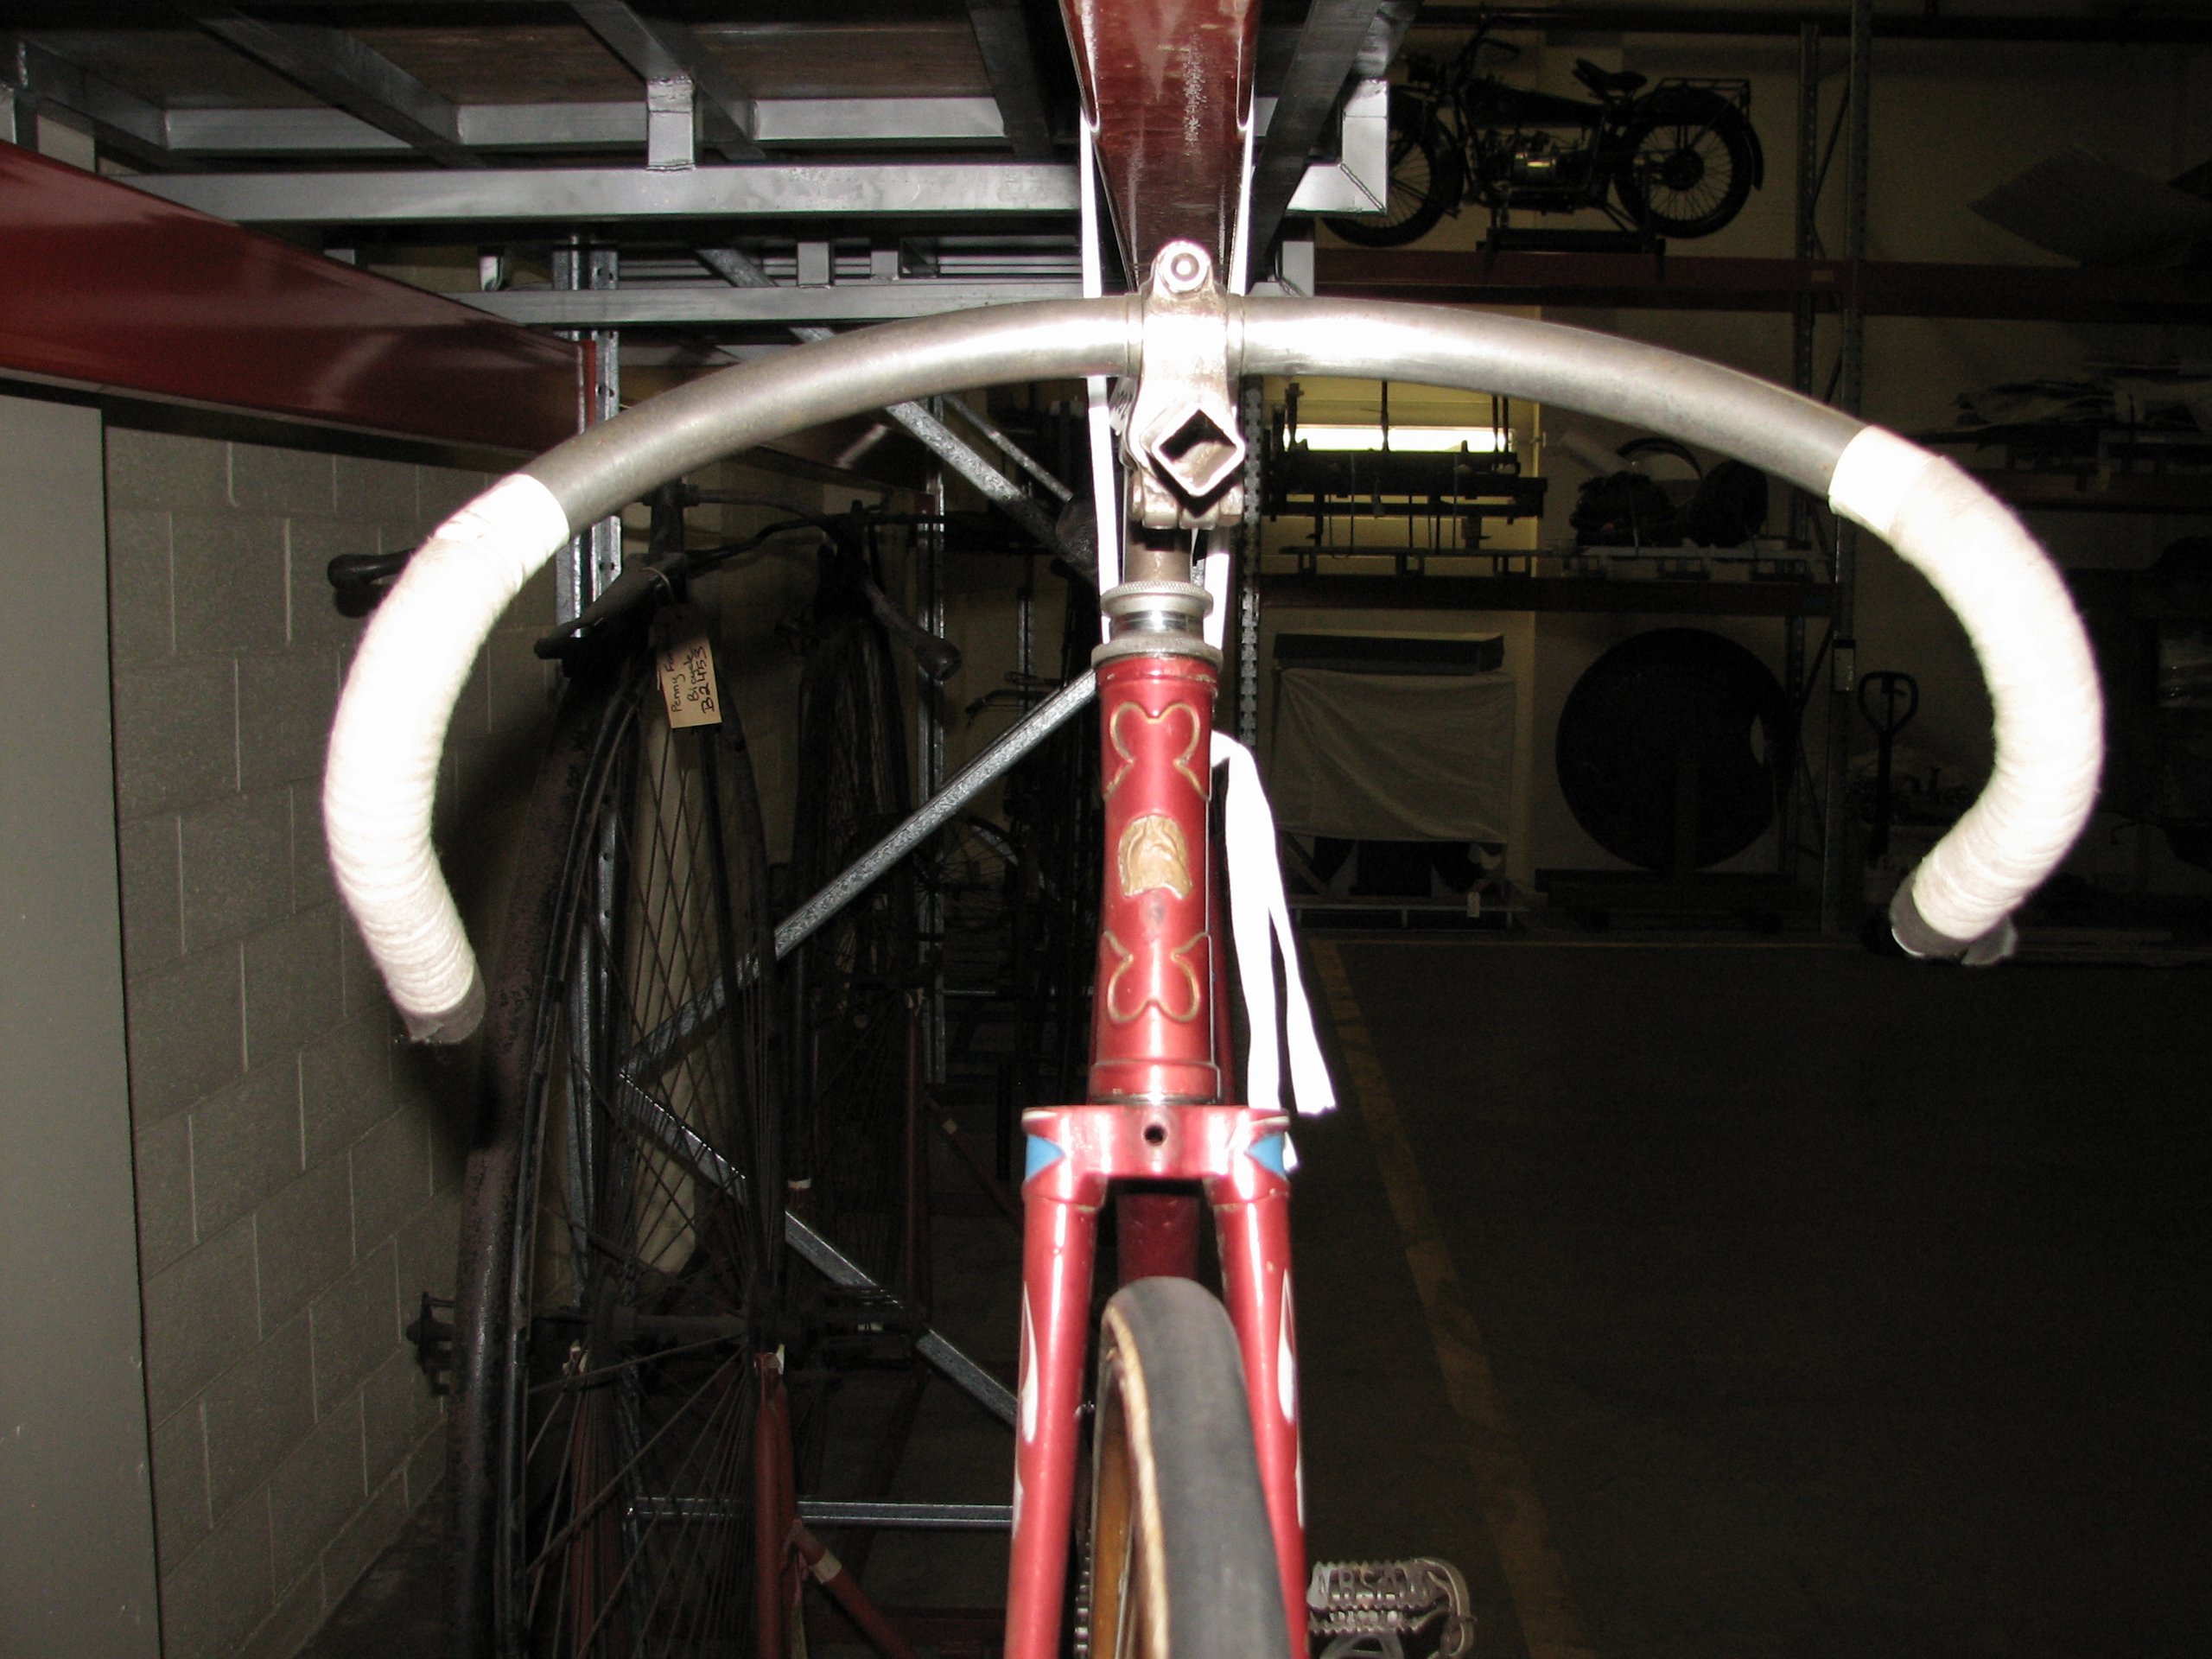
<point>1425,180</point>
<point>1674,710</point>
<point>1686,163</point>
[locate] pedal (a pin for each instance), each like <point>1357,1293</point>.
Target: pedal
<point>1366,1610</point>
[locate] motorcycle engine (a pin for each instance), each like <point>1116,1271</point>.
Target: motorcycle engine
<point>1540,162</point>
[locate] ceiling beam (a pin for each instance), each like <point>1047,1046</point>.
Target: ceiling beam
<point>36,74</point>
<point>1003,36</point>
<point>1338,36</point>
<point>966,122</point>
<point>697,304</point>
<point>662,49</point>
<point>904,190</point>
<point>341,71</point>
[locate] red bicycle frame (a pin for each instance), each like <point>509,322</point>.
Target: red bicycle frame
<point>1154,1116</point>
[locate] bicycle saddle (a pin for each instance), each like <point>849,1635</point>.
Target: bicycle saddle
<point>1604,82</point>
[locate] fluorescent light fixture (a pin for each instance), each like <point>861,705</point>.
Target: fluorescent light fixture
<point>1482,440</point>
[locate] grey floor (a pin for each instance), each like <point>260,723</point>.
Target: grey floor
<point>1825,1305</point>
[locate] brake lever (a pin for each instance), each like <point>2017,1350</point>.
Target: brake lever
<point>639,580</point>
<point>359,581</point>
<point>939,659</point>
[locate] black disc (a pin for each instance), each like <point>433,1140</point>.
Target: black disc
<point>1666,746</point>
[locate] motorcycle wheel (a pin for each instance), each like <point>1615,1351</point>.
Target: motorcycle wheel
<point>1686,164</point>
<point>1425,181</point>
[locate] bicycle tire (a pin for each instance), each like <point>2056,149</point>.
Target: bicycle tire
<point>1181,1560</point>
<point>602,1439</point>
<point>1426,179</point>
<point>856,975</point>
<point>1669,154</point>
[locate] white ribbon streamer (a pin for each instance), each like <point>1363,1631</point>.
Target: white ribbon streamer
<point>1259,926</point>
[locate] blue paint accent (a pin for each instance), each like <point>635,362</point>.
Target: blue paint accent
<point>1267,1152</point>
<point>1042,1155</point>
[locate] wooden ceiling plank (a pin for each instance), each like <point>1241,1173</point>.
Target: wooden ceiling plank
<point>348,75</point>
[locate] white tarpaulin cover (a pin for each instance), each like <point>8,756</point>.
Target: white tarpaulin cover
<point>1392,757</point>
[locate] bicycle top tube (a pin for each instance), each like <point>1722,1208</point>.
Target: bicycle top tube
<point>414,657</point>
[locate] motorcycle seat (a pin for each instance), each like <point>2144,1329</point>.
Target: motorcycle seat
<point>1605,81</point>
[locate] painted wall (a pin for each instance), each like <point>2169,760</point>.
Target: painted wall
<point>76,1516</point>
<point>298,1170</point>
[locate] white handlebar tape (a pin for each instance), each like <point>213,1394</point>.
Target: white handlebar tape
<point>2043,685</point>
<point>382,778</point>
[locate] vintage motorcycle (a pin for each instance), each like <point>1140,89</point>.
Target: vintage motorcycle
<point>1679,160</point>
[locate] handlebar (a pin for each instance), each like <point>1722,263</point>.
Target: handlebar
<point>414,657</point>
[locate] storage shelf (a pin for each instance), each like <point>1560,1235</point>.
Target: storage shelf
<point>1519,592</point>
<point>1716,282</point>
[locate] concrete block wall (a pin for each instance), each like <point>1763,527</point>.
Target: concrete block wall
<point>298,1171</point>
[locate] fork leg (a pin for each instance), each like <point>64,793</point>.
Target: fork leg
<point>1059,1236</point>
<point>1254,1233</point>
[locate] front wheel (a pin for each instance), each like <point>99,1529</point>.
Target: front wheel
<point>1182,1559</point>
<point>1686,164</point>
<point>1424,185</point>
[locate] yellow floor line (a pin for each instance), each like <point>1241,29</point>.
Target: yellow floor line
<point>1534,1576</point>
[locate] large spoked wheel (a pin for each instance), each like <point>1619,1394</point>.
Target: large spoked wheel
<point>623,1238</point>
<point>1425,180</point>
<point>1686,164</point>
<point>1182,1562</point>
<point>859,974</point>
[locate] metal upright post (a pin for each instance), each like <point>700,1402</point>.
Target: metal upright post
<point>928,602</point>
<point>1802,312</point>
<point>1803,319</point>
<point>582,570</point>
<point>1837,899</point>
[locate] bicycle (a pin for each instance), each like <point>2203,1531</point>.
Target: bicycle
<point>1194,1523</point>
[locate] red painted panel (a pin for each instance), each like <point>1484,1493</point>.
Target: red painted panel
<point>105,287</point>
<point>1169,83</point>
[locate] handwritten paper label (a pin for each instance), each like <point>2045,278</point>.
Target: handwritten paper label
<point>687,670</point>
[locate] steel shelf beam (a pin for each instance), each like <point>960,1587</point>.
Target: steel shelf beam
<point>1003,36</point>
<point>1705,282</point>
<point>2117,26</point>
<point>677,306</point>
<point>1329,50</point>
<point>810,121</point>
<point>1519,592</point>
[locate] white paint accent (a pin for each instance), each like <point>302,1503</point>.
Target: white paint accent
<point>1028,1372</point>
<point>388,734</point>
<point>1259,926</point>
<point>1285,1360</point>
<point>2035,657</point>
<point>1105,490</point>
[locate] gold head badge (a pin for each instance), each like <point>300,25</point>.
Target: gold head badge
<point>1153,854</point>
